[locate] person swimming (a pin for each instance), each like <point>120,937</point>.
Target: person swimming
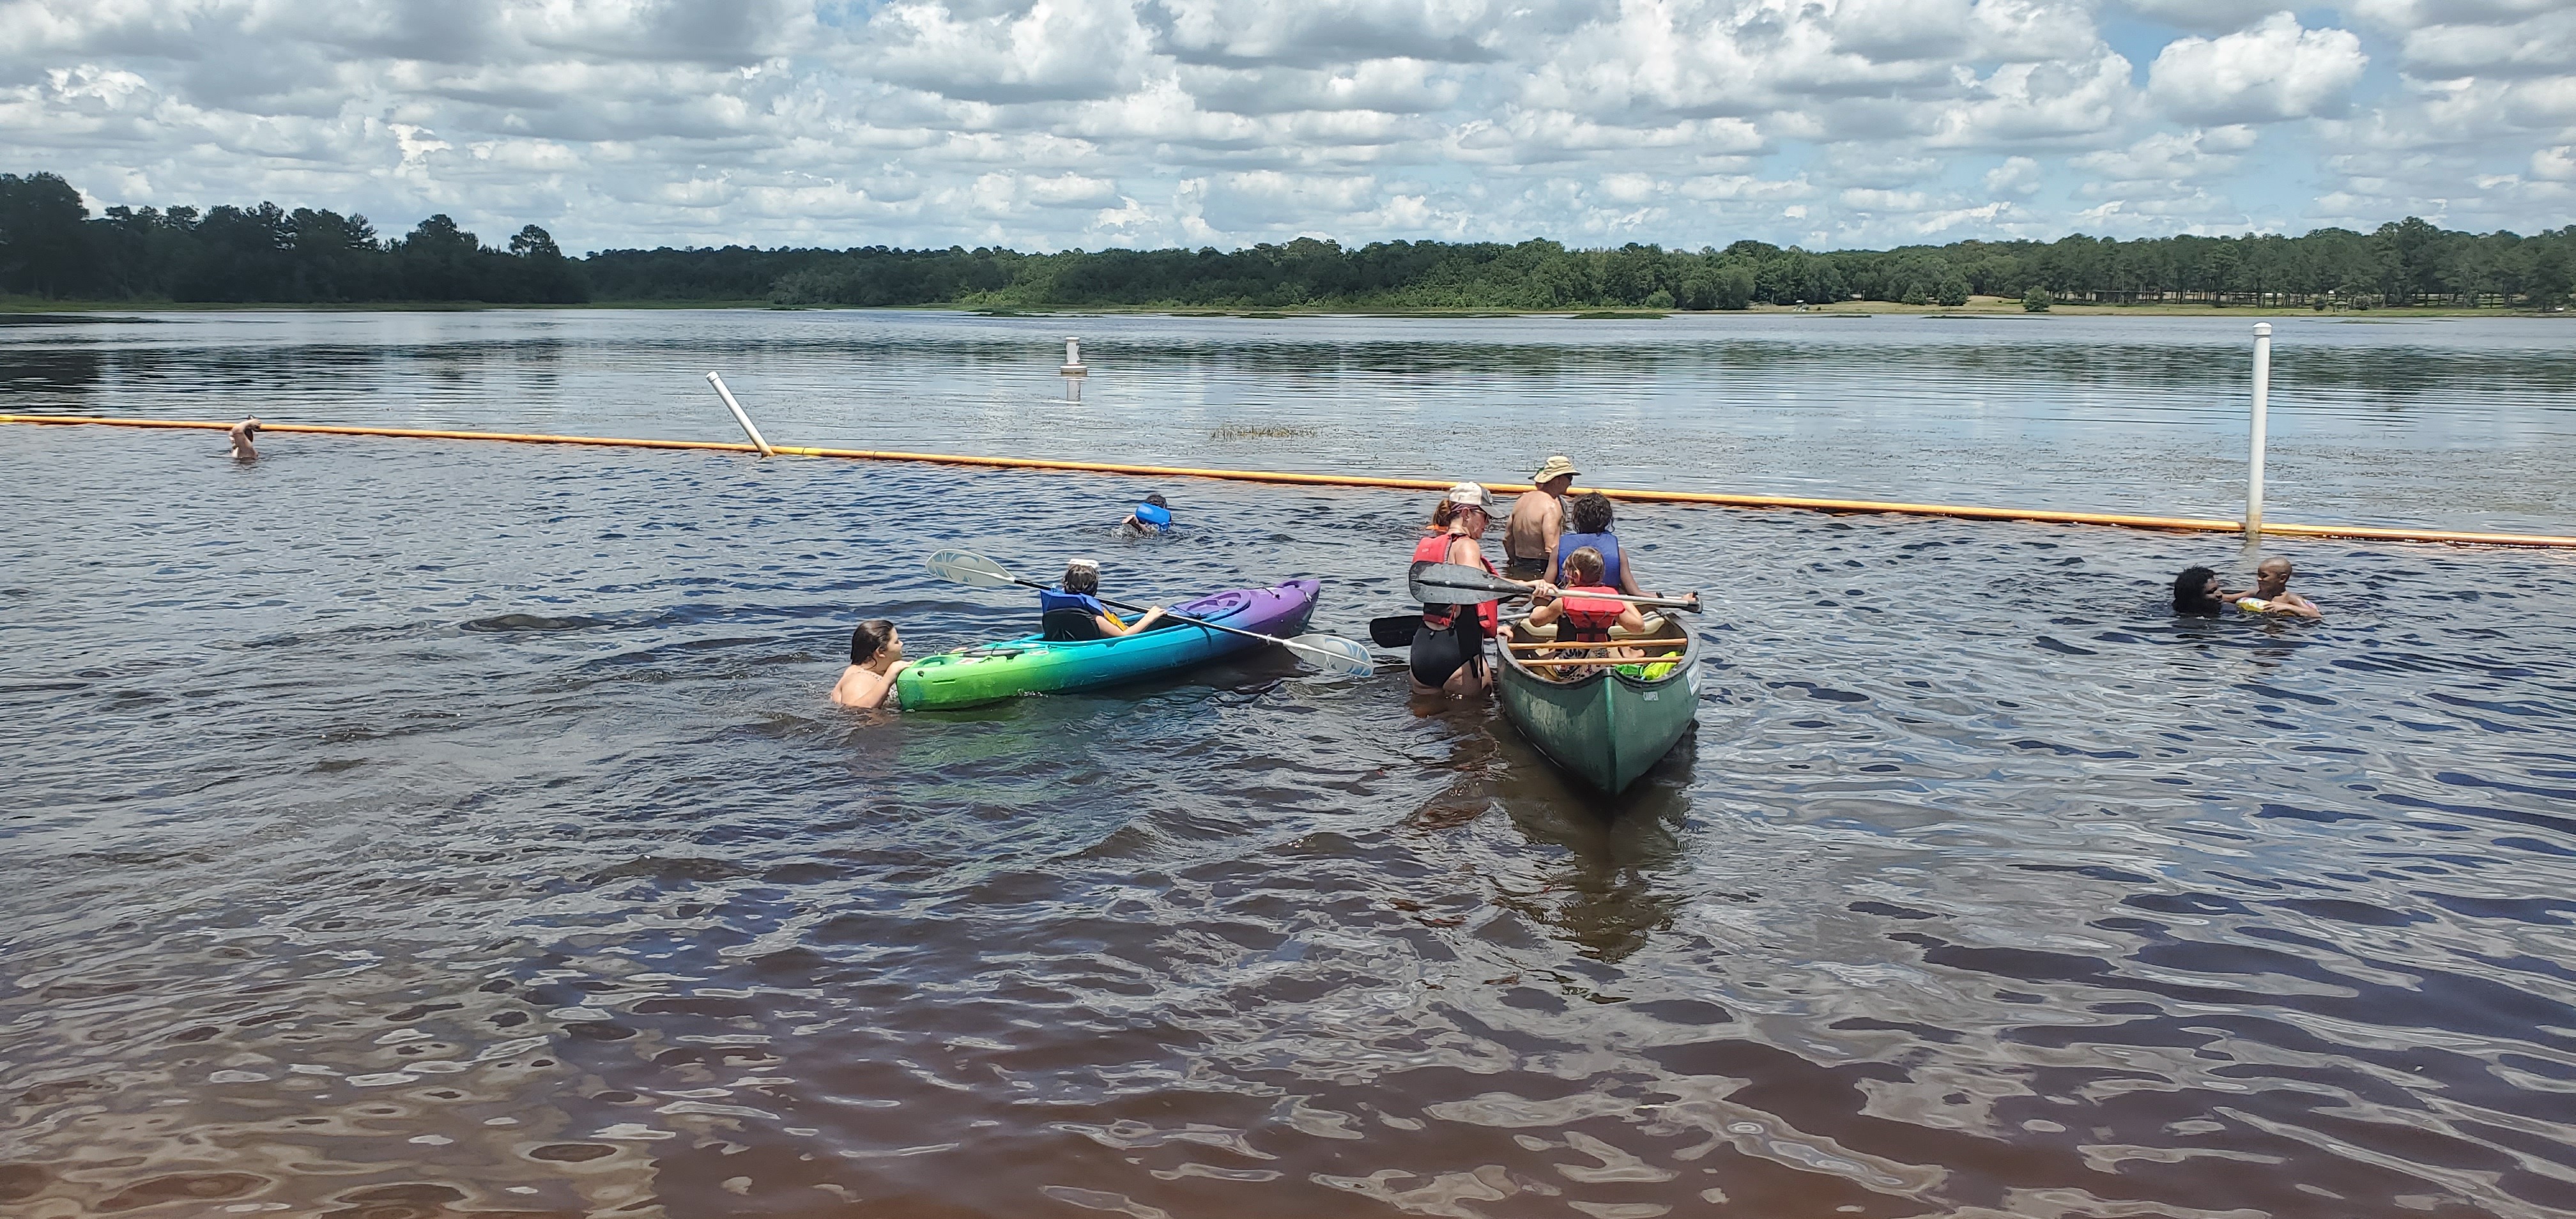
<point>2271,592</point>
<point>2195,592</point>
<point>1073,613</point>
<point>876,655</point>
<point>241,433</point>
<point>1152,516</point>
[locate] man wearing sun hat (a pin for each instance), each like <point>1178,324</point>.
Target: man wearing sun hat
<point>1538,518</point>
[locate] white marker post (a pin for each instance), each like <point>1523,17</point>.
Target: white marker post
<point>739,416</point>
<point>1073,358</point>
<point>2254,463</point>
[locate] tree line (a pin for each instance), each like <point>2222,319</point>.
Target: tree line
<point>51,247</point>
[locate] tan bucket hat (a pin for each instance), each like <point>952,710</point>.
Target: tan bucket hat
<point>1472,495</point>
<point>1556,467</point>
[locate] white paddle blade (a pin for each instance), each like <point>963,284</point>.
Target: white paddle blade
<point>1335,655</point>
<point>969,569</point>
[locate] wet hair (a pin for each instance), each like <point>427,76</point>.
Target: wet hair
<point>2191,592</point>
<point>1591,512</point>
<point>1156,499</point>
<point>869,639</point>
<point>1081,577</point>
<point>1584,565</point>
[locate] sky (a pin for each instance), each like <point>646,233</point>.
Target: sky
<point>1062,124</point>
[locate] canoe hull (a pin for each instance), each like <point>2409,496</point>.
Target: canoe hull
<point>1008,668</point>
<point>1606,728</point>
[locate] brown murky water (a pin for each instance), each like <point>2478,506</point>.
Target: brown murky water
<point>401,828</point>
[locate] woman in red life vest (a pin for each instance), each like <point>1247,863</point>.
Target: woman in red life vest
<point>1582,619</point>
<point>1449,649</point>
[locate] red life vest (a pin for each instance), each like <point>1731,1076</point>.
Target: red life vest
<point>1435,549</point>
<point>1588,619</point>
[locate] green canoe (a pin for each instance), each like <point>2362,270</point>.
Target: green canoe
<point>1607,725</point>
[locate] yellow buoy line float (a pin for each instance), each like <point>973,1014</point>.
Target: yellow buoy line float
<point>1964,512</point>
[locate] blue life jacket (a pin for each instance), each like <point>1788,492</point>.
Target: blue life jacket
<point>1606,543</point>
<point>1155,515</point>
<point>1069,617</point>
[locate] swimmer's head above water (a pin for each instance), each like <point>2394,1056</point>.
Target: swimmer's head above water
<point>2195,591</point>
<point>875,639</point>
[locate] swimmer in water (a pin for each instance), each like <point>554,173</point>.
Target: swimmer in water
<point>2196,592</point>
<point>241,433</point>
<point>1152,516</point>
<point>876,655</point>
<point>2271,593</point>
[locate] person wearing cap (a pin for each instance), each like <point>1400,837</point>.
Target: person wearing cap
<point>1449,648</point>
<point>1072,613</point>
<point>1151,516</point>
<point>241,433</point>
<point>1538,519</point>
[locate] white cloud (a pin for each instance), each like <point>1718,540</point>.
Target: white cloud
<point>2272,71</point>
<point>1049,123</point>
<point>2016,176</point>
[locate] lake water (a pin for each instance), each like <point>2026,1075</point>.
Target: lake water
<point>410,828</point>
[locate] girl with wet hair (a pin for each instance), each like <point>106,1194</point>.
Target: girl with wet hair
<point>2195,591</point>
<point>876,655</point>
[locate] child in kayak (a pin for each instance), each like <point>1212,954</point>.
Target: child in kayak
<point>876,655</point>
<point>1072,613</point>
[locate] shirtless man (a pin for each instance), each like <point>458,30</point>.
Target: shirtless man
<point>876,655</point>
<point>241,433</point>
<point>1538,519</point>
<point>2272,589</point>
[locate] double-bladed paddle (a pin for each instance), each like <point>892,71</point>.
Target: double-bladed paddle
<point>1458,584</point>
<point>1334,653</point>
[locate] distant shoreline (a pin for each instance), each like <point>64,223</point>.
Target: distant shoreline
<point>1977,307</point>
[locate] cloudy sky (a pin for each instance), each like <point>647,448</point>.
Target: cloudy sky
<point>1050,124</point>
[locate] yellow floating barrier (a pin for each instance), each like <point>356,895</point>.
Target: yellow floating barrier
<point>2185,524</point>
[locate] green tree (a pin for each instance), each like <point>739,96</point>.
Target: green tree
<point>2037,300</point>
<point>42,251</point>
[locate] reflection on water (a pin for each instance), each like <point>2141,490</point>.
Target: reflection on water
<point>438,829</point>
<point>2458,423</point>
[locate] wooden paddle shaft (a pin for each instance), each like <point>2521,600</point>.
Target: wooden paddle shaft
<point>1602,662</point>
<point>1615,643</point>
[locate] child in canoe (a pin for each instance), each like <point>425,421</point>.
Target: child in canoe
<point>1586,619</point>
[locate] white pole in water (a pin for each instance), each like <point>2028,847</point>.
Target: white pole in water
<point>739,416</point>
<point>1073,358</point>
<point>2254,464</point>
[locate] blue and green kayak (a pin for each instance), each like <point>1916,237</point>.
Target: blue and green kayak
<point>991,672</point>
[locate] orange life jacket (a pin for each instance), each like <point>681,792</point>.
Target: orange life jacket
<point>1588,619</point>
<point>1435,549</point>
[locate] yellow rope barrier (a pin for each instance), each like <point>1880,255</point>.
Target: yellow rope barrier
<point>2039,515</point>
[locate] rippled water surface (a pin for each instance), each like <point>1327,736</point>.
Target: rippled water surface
<point>419,828</point>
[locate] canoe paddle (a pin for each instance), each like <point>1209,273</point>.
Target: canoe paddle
<point>1458,584</point>
<point>1334,653</point>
